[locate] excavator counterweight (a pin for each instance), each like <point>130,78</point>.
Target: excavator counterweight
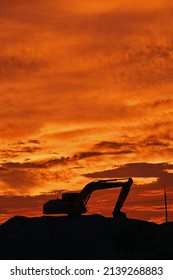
<point>74,203</point>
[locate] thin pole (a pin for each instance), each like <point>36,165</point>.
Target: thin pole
<point>166,207</point>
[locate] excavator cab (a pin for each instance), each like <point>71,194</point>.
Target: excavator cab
<point>74,203</point>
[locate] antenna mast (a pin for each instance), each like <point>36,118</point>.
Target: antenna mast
<point>166,207</point>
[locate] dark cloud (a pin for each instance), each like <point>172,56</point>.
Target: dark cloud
<point>13,153</point>
<point>91,154</point>
<point>48,163</point>
<point>25,205</point>
<point>19,180</point>
<point>153,141</point>
<point>162,102</point>
<point>18,143</point>
<point>112,144</point>
<point>115,148</point>
<point>23,165</point>
<point>24,11</point>
<point>13,150</point>
<point>34,141</point>
<point>30,149</point>
<point>15,67</point>
<point>165,179</point>
<point>158,142</point>
<point>84,155</point>
<point>56,161</point>
<point>8,153</point>
<point>27,201</point>
<point>35,165</point>
<point>141,169</point>
<point>3,169</point>
<point>151,51</point>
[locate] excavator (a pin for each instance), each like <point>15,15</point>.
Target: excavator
<point>74,203</point>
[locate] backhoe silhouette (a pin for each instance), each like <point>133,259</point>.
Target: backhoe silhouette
<point>74,203</point>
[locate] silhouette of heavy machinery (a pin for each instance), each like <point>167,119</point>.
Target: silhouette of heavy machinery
<point>74,203</point>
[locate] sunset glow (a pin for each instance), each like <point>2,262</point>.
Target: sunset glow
<point>86,93</point>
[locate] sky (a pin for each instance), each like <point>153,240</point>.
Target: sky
<point>86,94</point>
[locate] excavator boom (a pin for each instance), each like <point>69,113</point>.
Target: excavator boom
<point>75,203</point>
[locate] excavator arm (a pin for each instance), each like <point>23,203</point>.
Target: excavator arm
<point>85,194</point>
<point>75,203</point>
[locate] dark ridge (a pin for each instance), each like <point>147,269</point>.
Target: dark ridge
<point>85,237</point>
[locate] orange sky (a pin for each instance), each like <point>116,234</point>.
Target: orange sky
<point>86,93</point>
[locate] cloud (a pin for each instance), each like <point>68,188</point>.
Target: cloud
<point>112,145</point>
<point>31,176</point>
<point>16,67</point>
<point>149,141</point>
<point>24,205</point>
<point>141,169</point>
<point>161,173</point>
<point>57,74</point>
<point>84,155</point>
<point>14,150</point>
<point>24,165</point>
<point>34,141</point>
<point>160,142</point>
<point>3,169</point>
<point>84,83</point>
<point>47,163</point>
<point>18,181</point>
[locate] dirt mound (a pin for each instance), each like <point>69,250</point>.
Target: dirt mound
<point>85,237</point>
